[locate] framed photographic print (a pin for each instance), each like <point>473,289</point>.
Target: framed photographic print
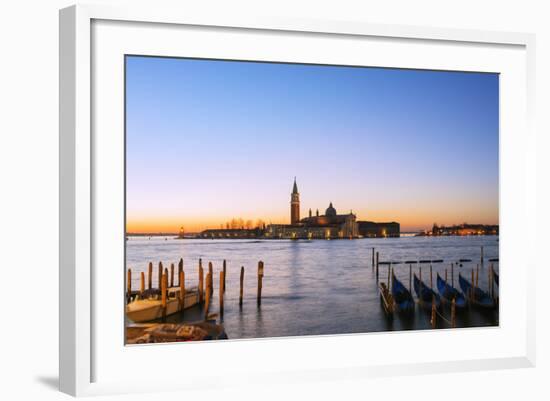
<point>276,190</point>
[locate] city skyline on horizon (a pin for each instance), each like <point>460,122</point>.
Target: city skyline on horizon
<point>172,227</point>
<point>210,140</point>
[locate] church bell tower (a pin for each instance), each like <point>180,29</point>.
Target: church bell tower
<point>295,205</point>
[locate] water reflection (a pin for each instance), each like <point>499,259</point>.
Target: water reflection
<point>316,287</point>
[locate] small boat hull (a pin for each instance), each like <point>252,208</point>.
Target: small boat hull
<point>448,293</point>
<point>476,295</point>
<point>425,294</point>
<point>146,310</point>
<point>402,297</point>
<point>386,300</point>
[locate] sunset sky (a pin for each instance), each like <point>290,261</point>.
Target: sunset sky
<point>208,141</point>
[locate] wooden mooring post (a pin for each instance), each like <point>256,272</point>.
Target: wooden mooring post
<point>377,260</point>
<point>129,284</point>
<point>260,278</point>
<point>452,274</point>
<point>477,276</point>
<point>453,313</point>
<point>410,276</point>
<point>481,258</point>
<point>181,279</point>
<point>211,272</point>
<point>150,276</point>
<point>472,292</point>
<point>489,280</point>
<point>492,288</point>
<point>434,314</point>
<point>431,277</point>
<point>207,296</point>
<point>221,289</point>
<point>141,284</point>
<point>224,274</point>
<point>164,293</point>
<point>180,268</point>
<point>171,275</point>
<point>373,259</point>
<point>241,287</point>
<point>389,274</point>
<point>201,282</point>
<point>160,276</point>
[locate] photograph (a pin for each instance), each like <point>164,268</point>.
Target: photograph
<point>268,199</point>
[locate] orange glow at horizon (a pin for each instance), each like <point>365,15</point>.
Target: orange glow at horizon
<point>409,220</point>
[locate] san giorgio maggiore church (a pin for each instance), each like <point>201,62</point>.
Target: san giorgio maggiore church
<point>330,225</point>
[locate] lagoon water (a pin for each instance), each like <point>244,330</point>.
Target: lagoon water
<point>314,287</point>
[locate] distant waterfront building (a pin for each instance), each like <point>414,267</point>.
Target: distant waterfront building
<point>327,226</point>
<point>181,234</point>
<point>465,229</point>
<point>231,233</point>
<point>371,229</point>
<point>331,225</point>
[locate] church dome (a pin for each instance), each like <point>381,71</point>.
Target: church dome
<point>331,211</point>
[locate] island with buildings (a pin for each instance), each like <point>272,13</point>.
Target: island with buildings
<point>330,225</point>
<point>462,230</point>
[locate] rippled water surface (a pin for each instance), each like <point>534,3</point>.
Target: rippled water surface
<point>315,287</point>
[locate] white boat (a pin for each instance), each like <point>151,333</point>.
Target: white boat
<point>145,310</point>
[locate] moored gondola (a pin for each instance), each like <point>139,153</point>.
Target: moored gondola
<point>402,297</point>
<point>386,300</point>
<point>476,295</point>
<point>448,293</point>
<point>425,294</point>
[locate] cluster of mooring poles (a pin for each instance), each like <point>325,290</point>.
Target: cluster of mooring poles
<point>390,305</point>
<point>168,290</point>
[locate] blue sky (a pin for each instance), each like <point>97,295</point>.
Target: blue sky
<point>209,140</point>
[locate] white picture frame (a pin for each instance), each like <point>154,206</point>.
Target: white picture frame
<point>81,213</point>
